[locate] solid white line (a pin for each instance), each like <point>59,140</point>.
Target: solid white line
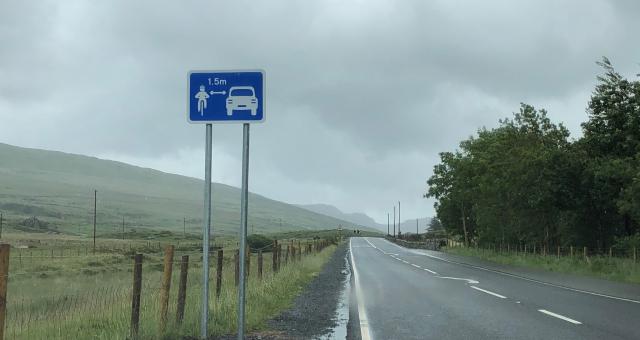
<point>527,279</point>
<point>407,262</point>
<point>488,292</point>
<point>362,314</point>
<point>575,322</point>
<point>415,265</point>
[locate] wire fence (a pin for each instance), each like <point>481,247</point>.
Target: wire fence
<point>91,295</point>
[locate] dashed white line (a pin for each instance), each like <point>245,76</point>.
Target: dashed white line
<point>561,317</point>
<point>489,292</point>
<point>415,265</point>
<point>526,278</point>
<point>430,271</point>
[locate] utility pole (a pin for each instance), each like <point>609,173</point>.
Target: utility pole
<point>95,199</point>
<point>394,221</point>
<point>184,227</point>
<point>0,225</point>
<point>387,224</point>
<point>123,227</point>
<point>399,220</point>
<point>417,233</point>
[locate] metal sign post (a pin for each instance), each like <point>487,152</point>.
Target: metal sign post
<point>206,230</point>
<point>225,97</point>
<point>244,197</point>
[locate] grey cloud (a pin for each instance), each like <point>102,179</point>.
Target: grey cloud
<point>362,95</point>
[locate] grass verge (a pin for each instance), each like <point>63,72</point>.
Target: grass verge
<point>617,269</point>
<point>73,304</point>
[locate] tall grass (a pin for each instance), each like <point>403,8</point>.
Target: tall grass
<point>601,266</point>
<point>75,304</point>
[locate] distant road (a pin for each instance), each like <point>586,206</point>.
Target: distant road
<point>416,294</point>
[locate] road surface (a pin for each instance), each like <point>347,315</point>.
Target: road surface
<point>416,294</point>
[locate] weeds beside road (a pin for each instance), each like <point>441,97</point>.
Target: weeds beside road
<point>601,266</point>
<point>90,296</point>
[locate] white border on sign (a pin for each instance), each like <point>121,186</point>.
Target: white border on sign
<point>264,97</point>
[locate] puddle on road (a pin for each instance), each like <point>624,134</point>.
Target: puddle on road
<point>342,312</point>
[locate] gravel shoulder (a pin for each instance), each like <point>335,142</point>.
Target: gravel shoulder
<point>313,313</point>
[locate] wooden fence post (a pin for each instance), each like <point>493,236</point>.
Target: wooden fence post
<point>236,260</point>
<point>286,255</point>
<point>135,296</point>
<point>558,252</point>
<point>260,264</point>
<point>635,255</point>
<point>279,256</point>
<point>248,262</point>
<point>219,273</point>
<point>571,251</point>
<point>182,288</point>
<point>4,279</point>
<point>166,286</point>
<point>274,256</point>
<point>610,252</point>
<point>584,252</point>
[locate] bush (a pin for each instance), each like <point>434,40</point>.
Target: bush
<point>626,244</point>
<point>257,241</point>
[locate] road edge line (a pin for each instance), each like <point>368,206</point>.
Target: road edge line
<point>362,314</point>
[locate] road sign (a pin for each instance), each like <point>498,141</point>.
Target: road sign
<point>226,96</point>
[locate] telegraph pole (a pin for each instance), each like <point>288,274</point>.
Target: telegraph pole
<point>394,221</point>
<point>184,227</point>
<point>417,227</point>
<point>123,227</point>
<point>0,225</point>
<point>95,204</point>
<point>399,220</point>
<point>387,224</point>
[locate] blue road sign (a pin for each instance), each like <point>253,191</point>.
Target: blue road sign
<point>226,96</point>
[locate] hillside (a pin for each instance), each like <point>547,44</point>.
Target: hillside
<point>359,219</point>
<point>57,188</point>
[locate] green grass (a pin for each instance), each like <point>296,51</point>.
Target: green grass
<point>89,296</point>
<point>618,269</point>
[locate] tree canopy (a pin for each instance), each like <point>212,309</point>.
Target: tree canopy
<point>525,181</point>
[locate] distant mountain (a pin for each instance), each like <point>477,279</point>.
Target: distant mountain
<point>58,189</point>
<point>366,221</point>
<point>359,219</point>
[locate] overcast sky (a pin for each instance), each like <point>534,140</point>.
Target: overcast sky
<point>361,95</point>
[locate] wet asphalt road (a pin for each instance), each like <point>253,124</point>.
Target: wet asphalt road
<point>417,294</point>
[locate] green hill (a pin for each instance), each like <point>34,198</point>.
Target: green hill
<point>57,188</point>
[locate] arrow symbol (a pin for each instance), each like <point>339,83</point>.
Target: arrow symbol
<point>218,92</point>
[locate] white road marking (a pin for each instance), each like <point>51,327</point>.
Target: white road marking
<point>527,279</point>
<point>430,271</point>
<point>415,265</point>
<point>489,292</point>
<point>407,262</point>
<point>458,278</point>
<point>371,244</point>
<point>575,322</point>
<point>362,314</point>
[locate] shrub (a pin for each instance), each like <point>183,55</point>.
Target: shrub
<point>257,241</point>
